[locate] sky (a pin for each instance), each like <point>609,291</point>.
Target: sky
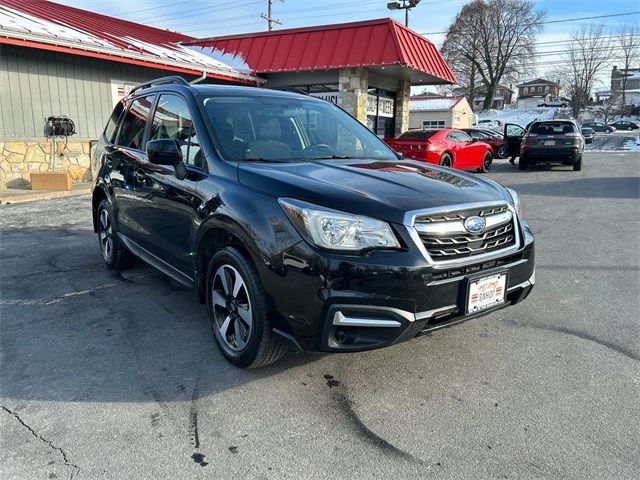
<point>207,18</point>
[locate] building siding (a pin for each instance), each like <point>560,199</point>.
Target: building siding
<point>35,84</point>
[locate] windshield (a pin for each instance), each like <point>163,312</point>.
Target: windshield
<point>283,128</point>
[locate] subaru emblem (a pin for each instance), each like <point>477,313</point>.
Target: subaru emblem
<point>475,225</point>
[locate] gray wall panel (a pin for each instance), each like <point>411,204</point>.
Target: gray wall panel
<point>35,84</point>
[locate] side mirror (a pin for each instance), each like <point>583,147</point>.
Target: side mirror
<point>165,151</point>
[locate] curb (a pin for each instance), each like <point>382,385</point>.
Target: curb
<point>8,198</point>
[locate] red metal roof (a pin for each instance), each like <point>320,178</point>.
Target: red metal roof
<point>382,42</point>
<point>51,26</point>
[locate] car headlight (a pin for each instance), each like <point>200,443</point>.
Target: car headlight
<point>336,230</point>
<point>516,201</point>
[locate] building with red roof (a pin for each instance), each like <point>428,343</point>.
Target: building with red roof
<point>63,61</point>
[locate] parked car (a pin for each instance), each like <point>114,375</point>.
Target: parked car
<point>447,147</point>
<point>558,104</point>
<point>624,125</point>
<point>296,225</point>
<point>599,127</point>
<point>494,139</point>
<point>488,124</point>
<point>547,141</point>
<point>588,134</point>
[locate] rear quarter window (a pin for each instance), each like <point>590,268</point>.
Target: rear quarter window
<point>114,120</point>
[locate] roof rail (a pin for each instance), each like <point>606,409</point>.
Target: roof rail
<point>174,79</point>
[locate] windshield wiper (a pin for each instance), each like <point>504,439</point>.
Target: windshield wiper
<point>261,159</point>
<point>330,157</point>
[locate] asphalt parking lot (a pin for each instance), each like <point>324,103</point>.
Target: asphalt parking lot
<point>115,374</point>
<point>613,141</point>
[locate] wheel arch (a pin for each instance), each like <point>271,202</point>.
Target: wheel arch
<point>97,197</point>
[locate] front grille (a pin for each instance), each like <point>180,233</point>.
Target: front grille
<point>444,236</point>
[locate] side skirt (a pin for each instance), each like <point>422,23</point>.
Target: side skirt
<point>156,262</point>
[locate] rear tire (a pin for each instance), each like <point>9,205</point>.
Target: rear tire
<point>502,152</point>
<point>239,312</point>
<point>522,163</point>
<point>114,253</point>
<point>446,161</point>
<point>486,163</point>
<point>577,166</point>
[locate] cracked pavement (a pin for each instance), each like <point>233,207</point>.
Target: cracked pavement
<point>111,375</point>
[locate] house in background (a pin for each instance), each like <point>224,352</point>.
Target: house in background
<point>534,92</point>
<point>503,98</point>
<point>440,112</point>
<point>627,80</point>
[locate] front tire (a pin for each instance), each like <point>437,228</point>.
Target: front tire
<point>608,130</point>
<point>629,129</point>
<point>239,312</point>
<point>114,253</point>
<point>502,152</point>
<point>486,163</point>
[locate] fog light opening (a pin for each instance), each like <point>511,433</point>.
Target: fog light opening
<point>344,335</point>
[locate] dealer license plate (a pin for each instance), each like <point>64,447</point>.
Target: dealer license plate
<point>486,292</point>
<point>549,142</point>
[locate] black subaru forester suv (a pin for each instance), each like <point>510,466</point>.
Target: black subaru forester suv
<point>296,225</point>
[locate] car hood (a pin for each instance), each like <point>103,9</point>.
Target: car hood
<point>380,189</point>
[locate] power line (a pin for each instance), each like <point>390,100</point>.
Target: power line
<point>563,20</point>
<point>197,11</point>
<point>284,16</point>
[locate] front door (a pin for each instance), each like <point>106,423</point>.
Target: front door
<point>170,204</point>
<point>513,139</point>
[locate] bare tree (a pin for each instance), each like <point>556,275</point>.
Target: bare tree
<point>629,47</point>
<point>491,40</point>
<point>588,53</point>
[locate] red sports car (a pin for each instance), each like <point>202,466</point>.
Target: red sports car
<point>448,147</point>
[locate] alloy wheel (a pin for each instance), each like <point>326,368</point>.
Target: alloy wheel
<point>231,307</point>
<point>106,235</point>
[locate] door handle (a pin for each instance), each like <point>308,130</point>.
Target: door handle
<point>140,176</point>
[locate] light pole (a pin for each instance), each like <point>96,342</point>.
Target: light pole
<point>405,5</point>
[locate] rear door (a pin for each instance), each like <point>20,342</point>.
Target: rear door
<point>124,159</point>
<point>513,138</point>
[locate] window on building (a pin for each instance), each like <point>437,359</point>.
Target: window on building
<point>433,124</point>
<point>135,121</point>
<point>540,88</point>
<point>172,119</point>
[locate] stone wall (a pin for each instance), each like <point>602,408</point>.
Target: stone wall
<point>19,158</point>
<point>402,106</point>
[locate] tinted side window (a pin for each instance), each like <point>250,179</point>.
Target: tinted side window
<point>132,131</point>
<point>172,119</point>
<point>112,126</point>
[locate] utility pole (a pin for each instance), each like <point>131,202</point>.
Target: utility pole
<point>269,18</point>
<point>406,5</point>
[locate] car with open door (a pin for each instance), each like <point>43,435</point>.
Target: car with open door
<point>494,139</point>
<point>446,146</point>
<point>546,141</point>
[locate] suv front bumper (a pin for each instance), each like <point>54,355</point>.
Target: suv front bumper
<point>337,303</point>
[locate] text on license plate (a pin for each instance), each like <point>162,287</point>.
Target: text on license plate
<point>486,292</point>
<point>549,142</point>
